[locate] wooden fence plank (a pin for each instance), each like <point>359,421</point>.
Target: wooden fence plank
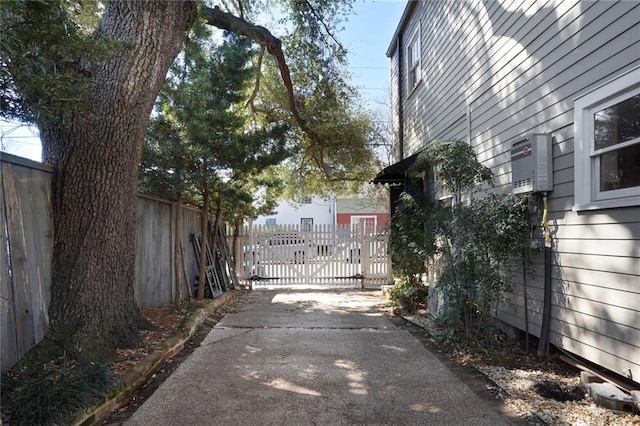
<point>26,230</point>
<point>8,343</point>
<point>35,187</point>
<point>154,253</point>
<point>20,289</point>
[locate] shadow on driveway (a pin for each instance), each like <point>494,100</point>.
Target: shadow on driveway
<point>313,357</point>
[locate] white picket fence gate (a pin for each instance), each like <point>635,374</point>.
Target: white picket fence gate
<point>324,256</point>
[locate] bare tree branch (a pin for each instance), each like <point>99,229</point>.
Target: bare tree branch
<point>324,24</point>
<point>240,9</point>
<point>256,87</point>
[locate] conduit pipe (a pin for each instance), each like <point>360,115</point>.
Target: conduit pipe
<point>543,343</point>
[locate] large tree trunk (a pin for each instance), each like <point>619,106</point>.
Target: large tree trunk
<point>96,152</point>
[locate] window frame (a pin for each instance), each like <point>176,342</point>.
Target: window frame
<point>588,195</point>
<point>414,81</point>
<point>306,224</point>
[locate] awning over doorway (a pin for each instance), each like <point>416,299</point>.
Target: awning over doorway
<point>396,172</point>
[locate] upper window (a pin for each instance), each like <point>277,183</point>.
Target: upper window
<point>607,145</point>
<point>413,61</point>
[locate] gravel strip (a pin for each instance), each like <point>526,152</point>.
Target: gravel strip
<point>519,386</point>
<point>519,389</point>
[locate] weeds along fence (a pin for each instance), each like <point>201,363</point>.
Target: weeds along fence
<point>26,227</point>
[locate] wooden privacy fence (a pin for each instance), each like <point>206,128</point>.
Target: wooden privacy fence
<point>26,246</point>
<point>25,272</point>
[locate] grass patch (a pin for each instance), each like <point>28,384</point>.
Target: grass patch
<point>48,394</point>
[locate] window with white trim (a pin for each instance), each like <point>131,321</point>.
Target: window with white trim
<point>413,61</point>
<point>607,145</point>
<point>364,223</point>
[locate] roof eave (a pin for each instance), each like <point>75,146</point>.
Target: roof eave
<point>408,10</point>
<point>396,172</point>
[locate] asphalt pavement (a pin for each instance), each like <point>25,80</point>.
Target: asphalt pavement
<point>313,358</point>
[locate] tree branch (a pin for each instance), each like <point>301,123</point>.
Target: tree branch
<point>216,17</point>
<point>256,87</point>
<point>324,24</point>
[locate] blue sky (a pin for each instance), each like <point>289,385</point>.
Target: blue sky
<point>367,36</point>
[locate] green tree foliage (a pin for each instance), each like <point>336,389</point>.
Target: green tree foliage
<point>200,136</point>
<point>473,244</point>
<point>455,166</point>
<point>338,156</point>
<point>334,152</point>
<point>43,52</point>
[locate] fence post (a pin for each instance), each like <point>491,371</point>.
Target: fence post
<point>176,235</point>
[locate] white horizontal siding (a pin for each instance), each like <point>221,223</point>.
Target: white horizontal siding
<point>588,340</point>
<point>395,104</point>
<point>518,69</point>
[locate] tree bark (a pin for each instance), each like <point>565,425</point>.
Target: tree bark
<point>96,151</point>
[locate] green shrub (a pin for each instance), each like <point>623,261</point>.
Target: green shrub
<point>481,243</point>
<point>409,295</point>
<point>474,242</point>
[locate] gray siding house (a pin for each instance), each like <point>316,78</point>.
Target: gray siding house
<point>490,72</point>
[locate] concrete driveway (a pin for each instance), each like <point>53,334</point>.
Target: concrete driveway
<point>313,358</point>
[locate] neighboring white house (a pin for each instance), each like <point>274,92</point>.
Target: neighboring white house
<point>342,211</point>
<point>490,72</point>
<point>312,212</point>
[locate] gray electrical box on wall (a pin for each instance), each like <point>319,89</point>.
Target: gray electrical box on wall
<point>531,164</point>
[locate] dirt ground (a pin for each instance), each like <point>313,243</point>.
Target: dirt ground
<point>167,321</point>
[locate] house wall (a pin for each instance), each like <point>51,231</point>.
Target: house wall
<point>496,70</point>
<point>321,211</point>
<point>395,98</point>
<point>346,208</point>
<point>344,219</point>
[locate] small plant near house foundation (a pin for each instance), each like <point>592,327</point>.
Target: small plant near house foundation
<point>408,252</point>
<point>480,247</point>
<point>474,240</point>
<point>409,294</point>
